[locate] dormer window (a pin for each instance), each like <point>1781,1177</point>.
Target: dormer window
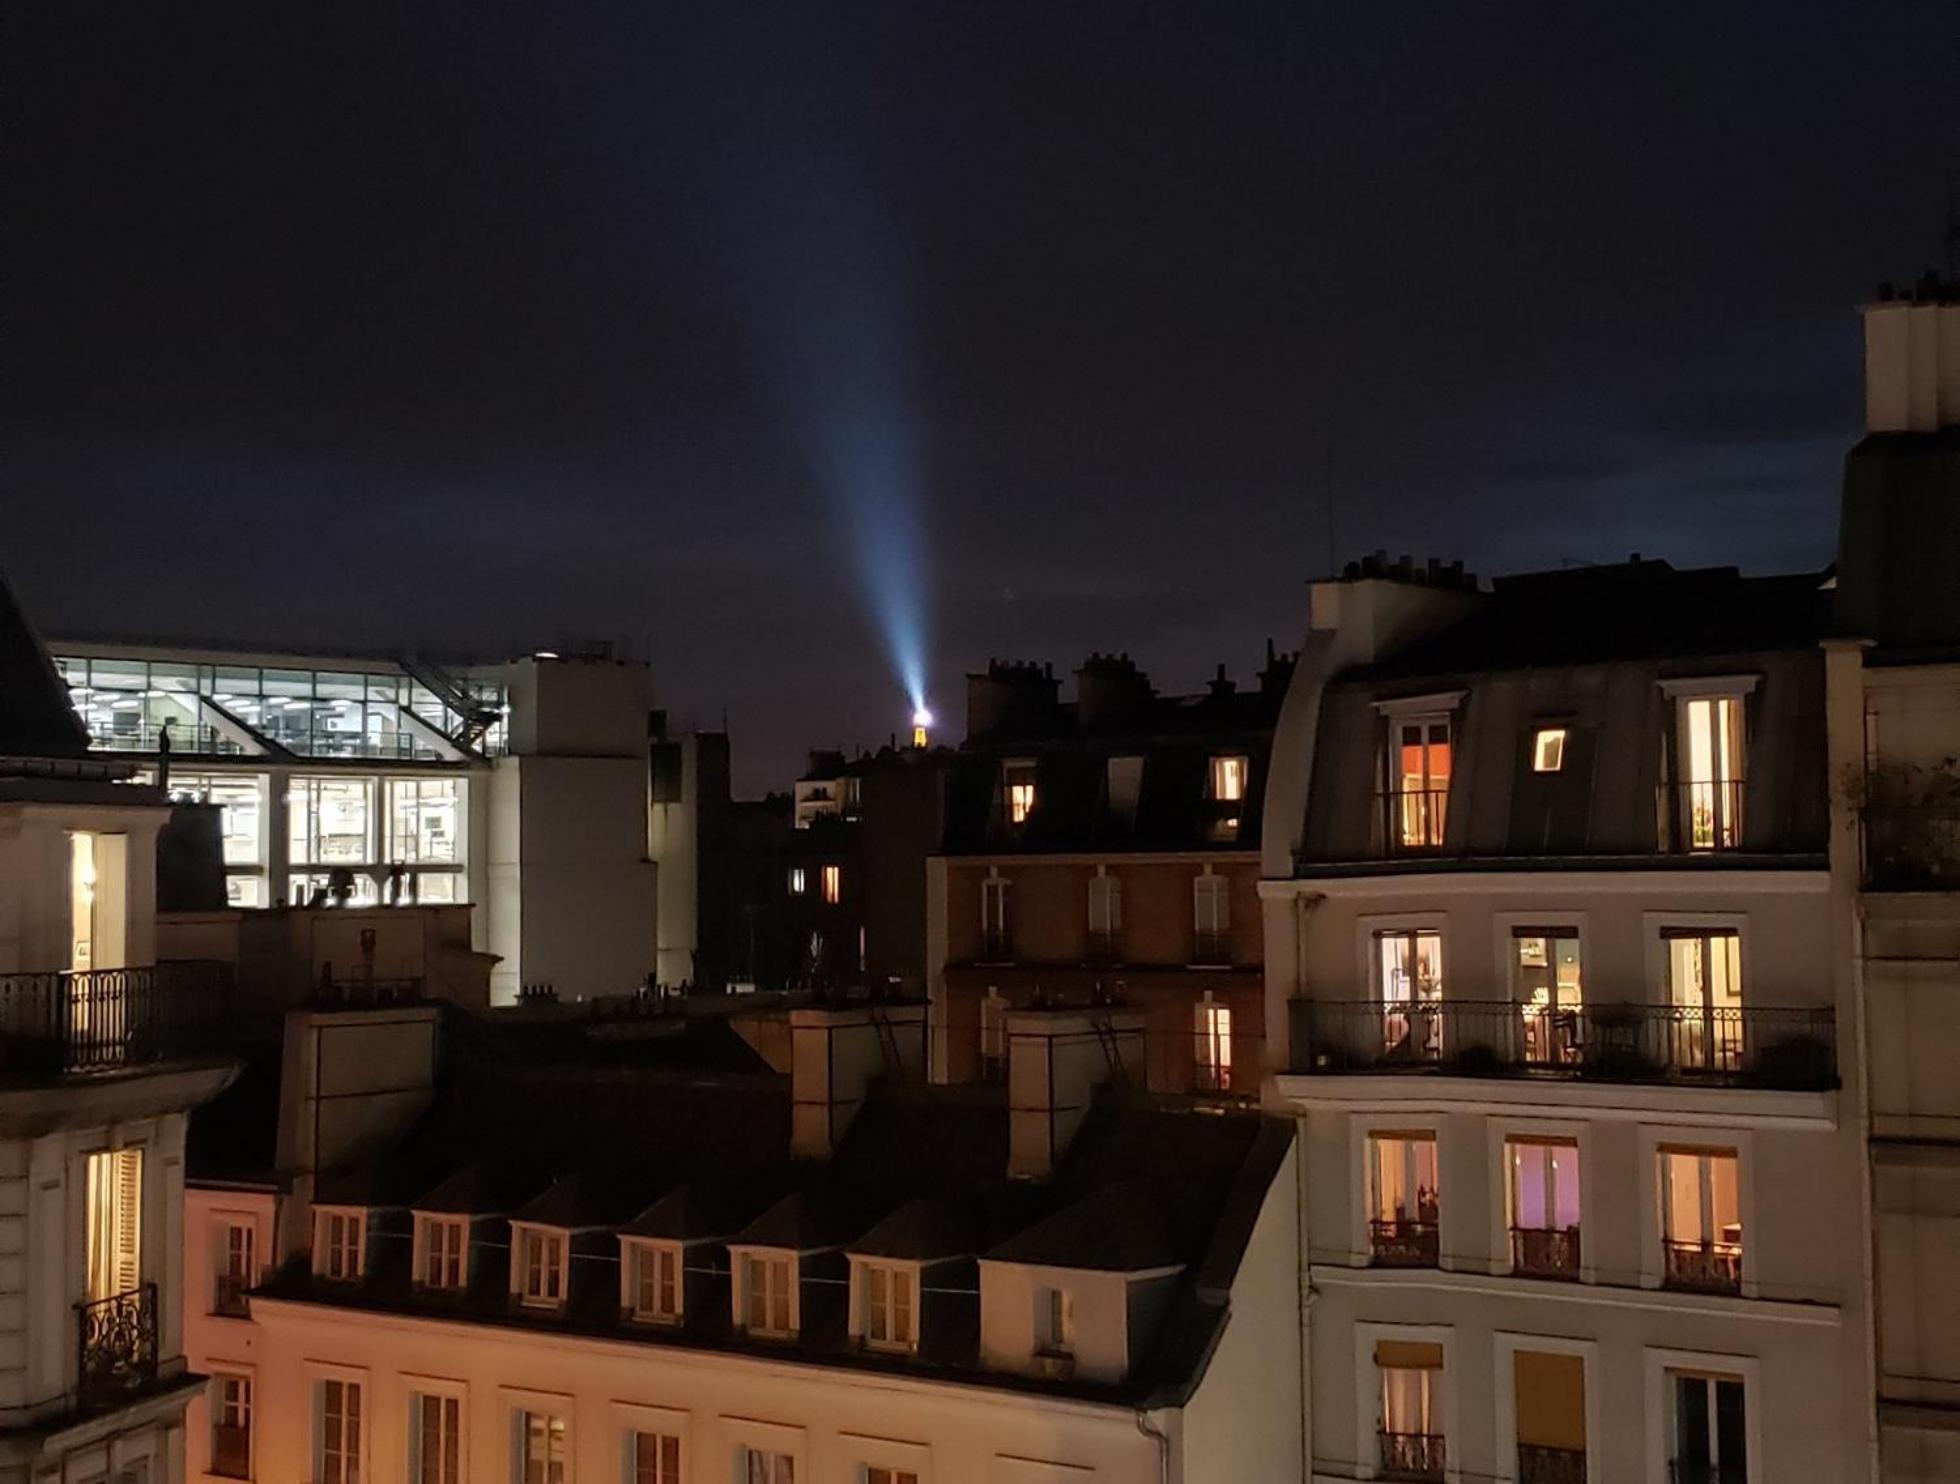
<point>1228,777</point>
<point>1708,759</point>
<point>1548,750</point>
<point>767,1295</point>
<point>1054,1322</point>
<point>339,1243</point>
<point>1419,758</point>
<point>442,1243</point>
<point>1017,789</point>
<point>654,1271</point>
<point>541,1259</point>
<point>1123,785</point>
<point>890,1306</point>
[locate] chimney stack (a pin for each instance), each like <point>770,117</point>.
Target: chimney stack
<point>835,1053</point>
<point>1056,1059</point>
<point>1912,357</point>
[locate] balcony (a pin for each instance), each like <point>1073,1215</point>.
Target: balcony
<point>1211,949</point>
<point>1703,817</point>
<point>1403,1243</point>
<point>996,945</point>
<point>1412,820</point>
<point>1703,1267</point>
<point>1911,848</point>
<point>1412,1455</point>
<point>118,1345</point>
<point>1788,1049</point>
<point>57,1024</point>
<point>1537,1465</point>
<point>1539,1252</point>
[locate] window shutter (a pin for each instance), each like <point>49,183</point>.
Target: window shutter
<point>1551,1400</point>
<point>129,1220</point>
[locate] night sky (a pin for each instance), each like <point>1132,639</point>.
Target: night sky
<point>751,337</point>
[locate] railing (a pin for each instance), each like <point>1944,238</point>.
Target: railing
<point>1403,1243</point>
<point>119,1344</point>
<point>1791,1049</point>
<point>1412,1455</point>
<point>1541,1252</point>
<point>1703,1267</point>
<point>1104,947</point>
<point>101,1019</point>
<point>1702,816</point>
<point>1541,1465</point>
<point>1412,820</point>
<point>1911,848</point>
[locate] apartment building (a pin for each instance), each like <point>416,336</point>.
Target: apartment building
<point>592,1259</point>
<point>519,789</point>
<point>1105,850</point>
<point>1550,946</point>
<point>1894,737</point>
<point>101,1062</point>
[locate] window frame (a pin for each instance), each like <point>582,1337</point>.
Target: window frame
<point>1368,1390</point>
<point>554,1277</point>
<point>522,1407</point>
<point>893,1278</point>
<point>1659,1365</point>
<point>1654,1139</point>
<point>428,1224</point>
<point>224,1224</point>
<point>353,1226</point>
<point>222,1377</point>
<point>1020,791</point>
<point>1424,712</point>
<point>996,915</point>
<point>1549,744</point>
<point>1055,1332</point>
<point>779,1269</point>
<point>417,1389</point>
<point>830,877</point>
<point>1212,1032</point>
<point>638,1251</point>
<point>354,1429</point>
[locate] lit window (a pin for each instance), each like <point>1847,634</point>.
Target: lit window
<point>1017,785</point>
<point>1054,1322</point>
<point>330,821</point>
<point>541,1274</point>
<point>1704,982</point>
<point>339,1237</point>
<point>890,1307</point>
<point>1411,1439</point>
<point>833,885</point>
<point>1701,1219</point>
<point>1542,1202</point>
<point>236,1272</point>
<point>435,1438</point>
<point>1409,988</point>
<point>1710,753</point>
<point>445,1241</point>
<point>1403,1202</point>
<point>337,1424</point>
<point>1548,749</point>
<point>231,1426</point>
<point>540,1449</point>
<point>656,1270</point>
<point>425,821</point>
<point>1228,775</point>
<point>798,882</point>
<point>1419,781</point>
<point>766,1292</point>
<point>1214,1046</point>
<point>115,1223</point>
<point>656,1458</point>
<point>1546,984</point>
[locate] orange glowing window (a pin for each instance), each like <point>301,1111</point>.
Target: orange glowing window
<point>1421,781</point>
<point>833,884</point>
<point>1017,784</point>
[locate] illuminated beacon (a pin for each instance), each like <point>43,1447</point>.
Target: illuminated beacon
<point>921,719</point>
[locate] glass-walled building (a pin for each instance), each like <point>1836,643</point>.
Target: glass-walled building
<point>312,769</point>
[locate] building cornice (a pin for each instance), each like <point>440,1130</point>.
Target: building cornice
<point>1467,880</point>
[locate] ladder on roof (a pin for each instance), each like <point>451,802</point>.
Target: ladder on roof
<point>887,1035</point>
<point>1119,1073</point>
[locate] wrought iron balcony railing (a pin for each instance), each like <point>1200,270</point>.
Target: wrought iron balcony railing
<point>104,1019</point>
<point>1403,1243</point>
<point>1412,1455</point>
<point>1686,1471</point>
<point>1704,1267</point>
<point>1794,1049</point>
<point>1540,1252</point>
<point>1704,816</point>
<point>119,1345</point>
<point>1541,1465</point>
<point>1412,820</point>
<point>1211,948</point>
